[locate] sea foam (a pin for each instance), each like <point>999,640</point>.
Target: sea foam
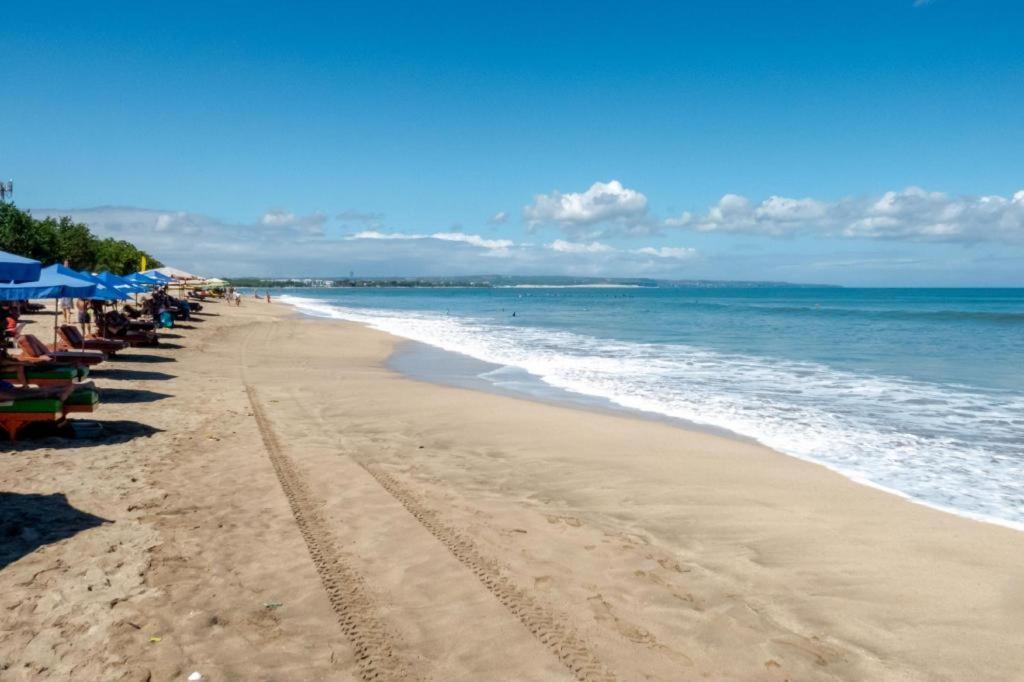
<point>946,446</point>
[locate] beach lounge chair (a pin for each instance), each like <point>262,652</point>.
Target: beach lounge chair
<point>83,399</point>
<point>71,339</point>
<point>117,328</point>
<point>44,374</point>
<point>20,407</point>
<point>16,414</point>
<point>131,311</point>
<point>34,350</point>
<point>116,319</point>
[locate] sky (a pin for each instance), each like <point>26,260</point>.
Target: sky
<point>868,143</point>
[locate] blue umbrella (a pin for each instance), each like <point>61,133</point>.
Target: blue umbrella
<point>142,279</point>
<point>158,276</point>
<point>18,268</point>
<point>104,292</point>
<point>112,280</point>
<point>50,284</point>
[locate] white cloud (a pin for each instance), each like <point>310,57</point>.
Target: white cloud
<point>682,220</point>
<point>604,202</point>
<point>578,247</point>
<point>280,247</point>
<point>680,253</point>
<point>499,218</point>
<point>910,214</point>
<point>471,239</point>
<point>311,224</point>
<point>474,240</point>
<point>373,234</point>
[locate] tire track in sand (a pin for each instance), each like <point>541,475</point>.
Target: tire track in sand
<point>556,635</point>
<point>345,588</point>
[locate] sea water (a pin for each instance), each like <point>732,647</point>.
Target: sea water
<point>917,391</point>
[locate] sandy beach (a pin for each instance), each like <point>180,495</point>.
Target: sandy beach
<point>271,502</point>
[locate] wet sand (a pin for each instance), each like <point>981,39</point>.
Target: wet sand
<point>271,502</point>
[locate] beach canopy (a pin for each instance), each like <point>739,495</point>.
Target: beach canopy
<point>158,276</point>
<point>139,278</point>
<point>18,268</point>
<point>170,273</point>
<point>112,280</point>
<point>50,284</point>
<point>104,292</point>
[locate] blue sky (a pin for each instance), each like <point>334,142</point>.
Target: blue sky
<point>872,142</point>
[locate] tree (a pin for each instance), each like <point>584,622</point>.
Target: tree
<point>56,241</point>
<point>75,244</point>
<point>22,235</point>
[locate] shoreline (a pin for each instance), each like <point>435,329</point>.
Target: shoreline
<point>600,405</point>
<point>284,458</point>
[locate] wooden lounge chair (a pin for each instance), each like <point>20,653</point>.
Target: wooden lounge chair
<point>17,414</point>
<point>34,350</point>
<point>116,319</point>
<point>44,374</point>
<point>21,407</point>
<point>131,311</point>
<point>71,339</point>
<point>117,327</point>
<point>82,399</point>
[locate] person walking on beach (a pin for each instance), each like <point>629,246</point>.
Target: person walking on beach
<point>65,307</point>
<point>83,316</point>
<point>268,295</point>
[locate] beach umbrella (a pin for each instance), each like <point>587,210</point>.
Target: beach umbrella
<point>51,284</point>
<point>139,278</point>
<point>168,273</point>
<point>18,268</point>
<point>104,291</point>
<point>112,280</point>
<point>158,276</point>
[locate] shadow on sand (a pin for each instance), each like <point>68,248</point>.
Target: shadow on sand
<point>143,358</point>
<point>61,436</point>
<point>130,395</point>
<point>30,521</point>
<point>129,375</point>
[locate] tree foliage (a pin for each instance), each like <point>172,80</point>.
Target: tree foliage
<point>60,240</point>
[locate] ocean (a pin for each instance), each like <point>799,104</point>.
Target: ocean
<point>916,391</point>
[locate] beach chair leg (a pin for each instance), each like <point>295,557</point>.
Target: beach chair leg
<point>12,428</point>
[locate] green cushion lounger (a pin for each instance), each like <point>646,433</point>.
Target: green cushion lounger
<point>82,400</point>
<point>49,376</point>
<point>19,413</point>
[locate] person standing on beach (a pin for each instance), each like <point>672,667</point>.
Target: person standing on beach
<point>65,307</point>
<point>268,295</point>
<point>83,316</point>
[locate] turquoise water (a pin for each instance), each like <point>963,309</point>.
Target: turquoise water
<point>919,391</point>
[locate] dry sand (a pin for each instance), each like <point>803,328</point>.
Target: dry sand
<point>272,503</point>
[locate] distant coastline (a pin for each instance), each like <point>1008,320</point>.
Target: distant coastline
<point>505,281</point>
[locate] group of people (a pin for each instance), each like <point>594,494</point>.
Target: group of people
<point>235,297</point>
<point>84,310</point>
